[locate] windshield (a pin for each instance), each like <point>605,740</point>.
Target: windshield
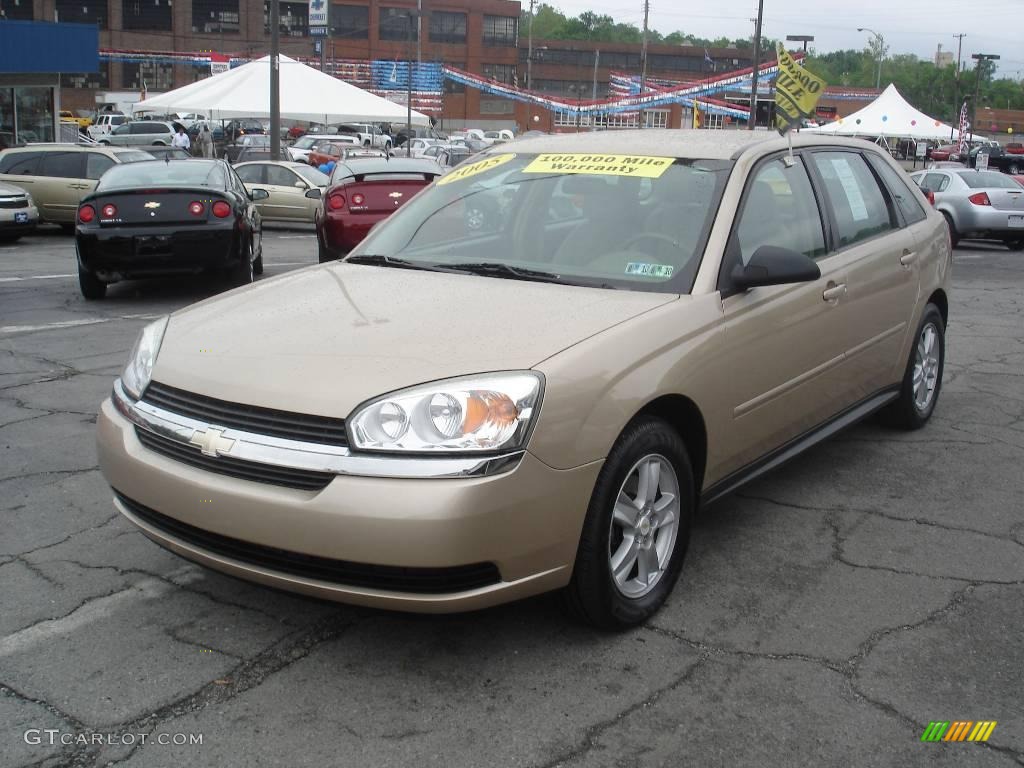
<point>312,175</point>
<point>988,180</point>
<point>189,173</point>
<point>305,142</point>
<point>133,156</point>
<point>606,220</point>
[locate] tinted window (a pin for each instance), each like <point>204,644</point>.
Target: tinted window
<point>132,156</point>
<point>859,206</point>
<point>96,165</point>
<point>313,176</point>
<point>280,176</point>
<point>780,210</point>
<point>206,173</point>
<point>67,165</point>
<point>122,130</point>
<point>908,201</point>
<point>251,174</point>
<point>988,180</point>
<point>137,128</point>
<point>25,163</point>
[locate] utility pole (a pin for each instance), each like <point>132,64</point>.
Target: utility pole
<point>956,92</point>
<point>419,34</point>
<point>593,90</point>
<point>643,63</point>
<point>408,86</point>
<point>529,49</point>
<point>752,120</point>
<point>979,58</point>
<point>275,80</point>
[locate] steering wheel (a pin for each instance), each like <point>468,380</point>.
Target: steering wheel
<point>650,236</point>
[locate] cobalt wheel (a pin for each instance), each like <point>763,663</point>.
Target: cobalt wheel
<point>92,287</point>
<point>242,273</point>
<point>257,265</point>
<point>954,236</point>
<point>325,254</point>
<point>922,379</point>
<point>636,530</point>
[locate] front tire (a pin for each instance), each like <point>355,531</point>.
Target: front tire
<point>1014,169</point>
<point>92,287</point>
<point>637,528</point>
<point>922,379</point>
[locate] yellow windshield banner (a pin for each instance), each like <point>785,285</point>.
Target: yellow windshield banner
<point>797,91</point>
<point>465,171</point>
<point>600,165</point>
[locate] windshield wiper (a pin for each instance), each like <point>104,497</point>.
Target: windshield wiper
<point>498,269</point>
<point>390,261</point>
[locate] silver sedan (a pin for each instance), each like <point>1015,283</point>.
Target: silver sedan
<point>977,204</point>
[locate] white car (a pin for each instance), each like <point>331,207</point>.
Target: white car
<point>18,213</point>
<point>105,122</point>
<point>299,151</point>
<point>498,137</point>
<point>369,135</point>
<point>418,146</point>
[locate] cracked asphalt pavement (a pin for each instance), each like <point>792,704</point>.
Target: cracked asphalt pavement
<point>826,613</point>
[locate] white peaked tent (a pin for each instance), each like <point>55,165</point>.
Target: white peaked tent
<point>888,116</point>
<point>306,94</point>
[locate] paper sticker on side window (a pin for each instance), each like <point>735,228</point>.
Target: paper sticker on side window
<point>474,168</point>
<point>600,165</point>
<point>858,209</point>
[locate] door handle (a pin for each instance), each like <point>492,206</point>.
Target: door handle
<point>834,293</point>
<point>908,257</point>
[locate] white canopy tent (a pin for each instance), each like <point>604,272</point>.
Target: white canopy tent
<point>889,116</point>
<point>306,94</point>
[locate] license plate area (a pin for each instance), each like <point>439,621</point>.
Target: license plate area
<point>153,245</point>
<point>21,218</point>
<point>1017,222</point>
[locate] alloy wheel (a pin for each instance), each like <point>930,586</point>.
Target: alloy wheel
<point>926,367</point>
<point>644,525</point>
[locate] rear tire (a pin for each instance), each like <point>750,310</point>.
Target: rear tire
<point>609,543</point>
<point>243,273</point>
<point>922,379</point>
<point>1015,245</point>
<point>954,236</point>
<point>1014,169</point>
<point>92,287</point>
<point>325,254</point>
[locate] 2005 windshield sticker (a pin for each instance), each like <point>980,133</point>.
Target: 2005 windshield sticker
<point>465,171</point>
<point>600,165</point>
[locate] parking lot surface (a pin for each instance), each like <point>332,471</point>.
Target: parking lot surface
<point>825,616</point>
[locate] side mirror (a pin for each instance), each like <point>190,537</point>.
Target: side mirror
<point>300,184</point>
<point>774,266</point>
<point>259,194</point>
<point>314,194</point>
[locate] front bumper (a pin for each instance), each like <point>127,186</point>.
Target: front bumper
<point>21,220</point>
<point>143,251</point>
<point>526,522</point>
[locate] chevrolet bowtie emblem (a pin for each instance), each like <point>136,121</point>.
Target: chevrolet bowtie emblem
<point>152,204</point>
<point>211,441</point>
<point>395,194</point>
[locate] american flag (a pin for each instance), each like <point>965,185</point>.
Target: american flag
<point>962,147</point>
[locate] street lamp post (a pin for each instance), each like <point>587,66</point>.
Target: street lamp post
<point>529,50</point>
<point>805,39</point>
<point>880,42</point>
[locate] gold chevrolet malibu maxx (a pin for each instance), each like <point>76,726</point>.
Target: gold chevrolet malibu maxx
<point>532,375</point>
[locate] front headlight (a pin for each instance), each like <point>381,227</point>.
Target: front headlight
<point>140,365</point>
<point>491,412</point>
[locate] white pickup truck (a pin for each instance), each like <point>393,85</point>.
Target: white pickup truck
<point>369,135</point>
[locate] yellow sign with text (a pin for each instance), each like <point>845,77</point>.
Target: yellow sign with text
<point>480,166</point>
<point>600,165</point>
<point>797,91</point>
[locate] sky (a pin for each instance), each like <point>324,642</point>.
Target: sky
<point>916,26</point>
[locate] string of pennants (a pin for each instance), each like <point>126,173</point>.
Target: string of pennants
<point>621,85</point>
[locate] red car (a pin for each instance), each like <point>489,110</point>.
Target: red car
<point>329,151</point>
<point>946,152</point>
<point>364,191</point>
<point>1018,179</point>
<point>1014,148</point>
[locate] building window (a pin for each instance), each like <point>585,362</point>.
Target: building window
<point>503,73</point>
<point>500,30</point>
<point>293,18</point>
<point>85,80</point>
<point>394,24</point>
<point>215,17</point>
<point>654,118</point>
<point>157,77</point>
<point>350,21</point>
<point>82,11</point>
<point>574,89</point>
<point>447,27</point>
<point>16,9</point>
<point>146,15</point>
<point>497,106</point>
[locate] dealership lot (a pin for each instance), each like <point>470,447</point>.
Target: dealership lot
<point>826,614</point>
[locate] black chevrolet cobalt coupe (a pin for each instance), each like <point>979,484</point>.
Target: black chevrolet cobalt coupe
<point>159,218</point>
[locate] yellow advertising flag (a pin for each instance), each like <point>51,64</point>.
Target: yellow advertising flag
<point>797,91</point>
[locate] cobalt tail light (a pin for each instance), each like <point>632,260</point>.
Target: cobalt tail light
<point>196,208</point>
<point>980,198</point>
<point>358,199</point>
<point>86,214</point>
<point>931,198</point>
<point>336,202</point>
<point>109,211</point>
<point>221,209</point>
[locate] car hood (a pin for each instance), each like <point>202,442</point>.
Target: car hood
<point>323,340</point>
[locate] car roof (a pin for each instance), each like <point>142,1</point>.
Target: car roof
<point>674,142</point>
<point>282,163</point>
<point>357,166</point>
<point>54,146</point>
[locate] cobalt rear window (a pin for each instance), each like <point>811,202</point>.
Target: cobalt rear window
<point>185,173</point>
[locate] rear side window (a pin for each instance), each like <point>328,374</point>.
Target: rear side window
<point>858,203</point>
<point>67,165</point>
<point>96,165</point>
<point>906,199</point>
<point>780,210</point>
<point>936,182</point>
<point>24,163</point>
